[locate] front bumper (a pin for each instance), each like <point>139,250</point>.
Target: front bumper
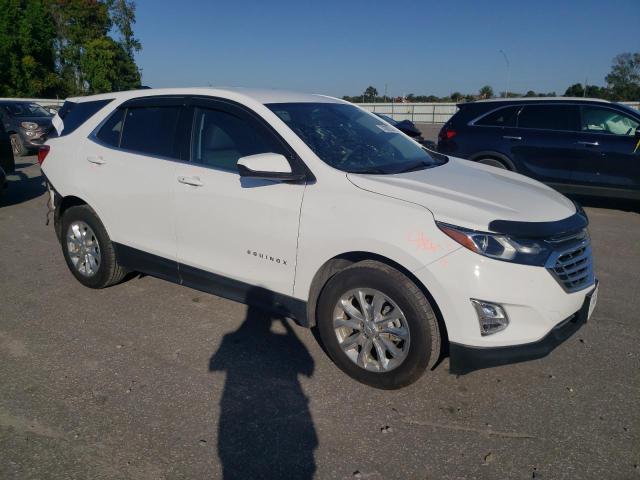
<point>465,358</point>
<point>33,141</point>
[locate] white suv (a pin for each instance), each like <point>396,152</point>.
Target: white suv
<point>316,209</point>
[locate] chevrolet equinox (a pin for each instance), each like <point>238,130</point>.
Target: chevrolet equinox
<point>316,209</point>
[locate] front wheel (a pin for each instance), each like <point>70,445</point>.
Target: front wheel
<point>377,326</point>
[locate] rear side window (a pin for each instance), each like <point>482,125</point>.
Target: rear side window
<point>221,138</point>
<point>110,132</point>
<point>503,117</point>
<point>549,117</point>
<point>75,114</point>
<point>151,130</point>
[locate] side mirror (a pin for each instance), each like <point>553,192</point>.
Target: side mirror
<point>268,166</point>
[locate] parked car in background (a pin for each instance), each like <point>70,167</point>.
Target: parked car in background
<point>7,163</point>
<point>27,124</point>
<point>409,128</point>
<point>576,145</point>
<point>308,206</point>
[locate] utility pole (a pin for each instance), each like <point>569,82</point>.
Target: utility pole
<point>385,92</point>
<point>506,93</point>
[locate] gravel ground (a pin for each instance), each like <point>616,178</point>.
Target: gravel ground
<point>150,380</point>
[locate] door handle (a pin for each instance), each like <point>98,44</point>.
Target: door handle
<point>193,181</point>
<point>97,160</point>
<point>589,144</point>
<point>509,137</point>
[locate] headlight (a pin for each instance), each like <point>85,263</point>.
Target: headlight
<point>500,247</point>
<point>29,125</point>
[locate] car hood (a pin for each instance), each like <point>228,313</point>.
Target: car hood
<point>471,195</point>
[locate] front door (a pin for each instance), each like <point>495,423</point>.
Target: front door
<point>611,149</point>
<point>234,231</point>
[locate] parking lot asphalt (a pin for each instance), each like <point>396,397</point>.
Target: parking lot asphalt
<point>151,380</point>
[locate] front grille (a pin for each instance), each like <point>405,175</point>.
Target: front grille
<point>572,266</point>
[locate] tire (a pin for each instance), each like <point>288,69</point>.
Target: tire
<point>18,148</point>
<point>403,302</point>
<point>83,237</point>
<point>494,162</point>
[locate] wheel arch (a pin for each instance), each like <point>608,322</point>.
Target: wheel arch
<point>62,205</point>
<point>338,263</point>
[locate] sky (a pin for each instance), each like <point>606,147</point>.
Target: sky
<point>421,47</point>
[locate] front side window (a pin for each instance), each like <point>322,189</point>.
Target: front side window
<point>352,140</point>
<point>605,120</point>
<point>150,130</point>
<point>549,117</point>
<point>503,117</point>
<point>221,138</point>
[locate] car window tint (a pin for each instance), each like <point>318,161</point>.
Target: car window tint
<point>75,114</point>
<point>221,138</point>
<point>150,130</point>
<point>549,117</point>
<point>503,117</point>
<point>110,132</point>
<point>605,120</point>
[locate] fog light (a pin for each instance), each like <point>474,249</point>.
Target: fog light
<point>491,316</point>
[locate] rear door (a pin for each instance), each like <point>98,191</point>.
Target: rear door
<point>610,143</point>
<point>232,228</point>
<point>130,168</point>
<point>544,141</point>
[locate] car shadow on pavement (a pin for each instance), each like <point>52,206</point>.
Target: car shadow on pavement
<point>265,429</point>
<point>21,188</point>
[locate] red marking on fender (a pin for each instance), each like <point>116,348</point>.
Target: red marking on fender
<point>420,240</point>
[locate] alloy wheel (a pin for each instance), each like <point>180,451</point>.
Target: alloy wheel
<point>83,248</point>
<point>371,329</point>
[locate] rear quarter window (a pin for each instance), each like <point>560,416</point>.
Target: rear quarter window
<point>502,117</point>
<point>75,114</point>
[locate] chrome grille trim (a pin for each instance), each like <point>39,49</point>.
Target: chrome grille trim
<point>572,266</point>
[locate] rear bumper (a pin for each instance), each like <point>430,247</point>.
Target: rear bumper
<point>465,358</point>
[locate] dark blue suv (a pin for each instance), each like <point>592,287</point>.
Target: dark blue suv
<point>582,146</point>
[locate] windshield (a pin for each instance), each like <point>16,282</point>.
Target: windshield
<point>352,140</point>
<point>26,110</point>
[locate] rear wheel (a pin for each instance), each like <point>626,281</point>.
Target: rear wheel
<point>87,248</point>
<point>494,162</point>
<point>17,146</point>
<point>377,326</point>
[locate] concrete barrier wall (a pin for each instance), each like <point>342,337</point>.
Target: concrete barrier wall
<point>427,112</point>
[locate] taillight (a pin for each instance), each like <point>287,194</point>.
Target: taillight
<point>43,151</point>
<point>447,133</point>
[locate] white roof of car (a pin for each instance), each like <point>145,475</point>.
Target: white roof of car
<point>263,96</point>
<point>538,99</point>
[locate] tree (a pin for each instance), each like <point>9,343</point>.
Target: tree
<point>27,60</point>
<point>486,92</point>
<point>624,79</point>
<point>370,93</point>
<point>456,96</point>
<point>123,16</point>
